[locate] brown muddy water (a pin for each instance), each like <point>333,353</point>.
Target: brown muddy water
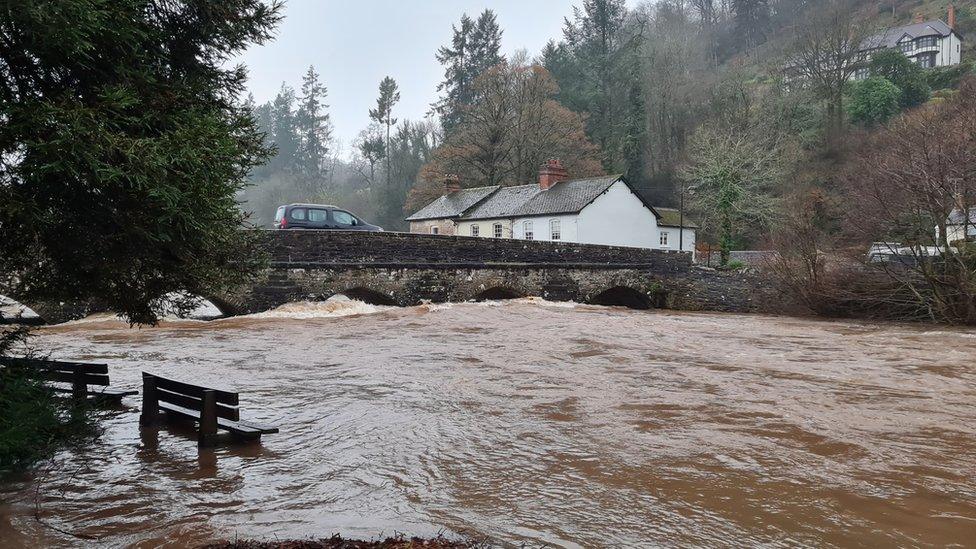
<point>576,426</point>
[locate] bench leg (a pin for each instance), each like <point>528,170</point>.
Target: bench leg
<point>79,389</point>
<point>208,419</point>
<point>150,402</point>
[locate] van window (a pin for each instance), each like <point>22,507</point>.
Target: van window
<point>280,214</point>
<point>343,218</point>
<point>299,214</point>
<point>318,216</point>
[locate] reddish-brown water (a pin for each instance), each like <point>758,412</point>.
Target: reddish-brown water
<point>576,426</point>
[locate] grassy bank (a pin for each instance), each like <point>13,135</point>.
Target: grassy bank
<point>34,421</point>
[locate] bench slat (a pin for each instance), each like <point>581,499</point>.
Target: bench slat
<point>195,404</point>
<point>57,365</point>
<point>195,391</point>
<point>237,427</point>
<point>64,377</point>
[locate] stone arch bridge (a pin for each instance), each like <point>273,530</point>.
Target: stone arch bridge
<point>408,269</point>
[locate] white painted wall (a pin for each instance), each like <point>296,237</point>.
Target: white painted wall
<point>541,227</point>
<point>617,218</point>
<point>485,227</point>
<point>674,238</point>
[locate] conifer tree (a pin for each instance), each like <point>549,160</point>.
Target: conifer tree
<point>383,114</point>
<point>475,47</point>
<point>314,131</point>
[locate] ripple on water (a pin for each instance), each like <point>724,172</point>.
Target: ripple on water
<point>530,421</point>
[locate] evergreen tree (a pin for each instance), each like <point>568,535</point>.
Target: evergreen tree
<point>313,128</point>
<point>383,114</point>
<point>124,143</point>
<point>751,20</point>
<point>602,55</point>
<point>475,47</point>
<point>283,130</point>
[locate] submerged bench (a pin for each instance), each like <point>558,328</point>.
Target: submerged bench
<point>71,377</point>
<point>213,409</point>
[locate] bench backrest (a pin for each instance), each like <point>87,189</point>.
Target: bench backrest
<point>61,372</point>
<point>190,396</point>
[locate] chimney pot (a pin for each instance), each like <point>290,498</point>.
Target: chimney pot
<point>452,184</point>
<point>550,173</point>
<point>918,17</point>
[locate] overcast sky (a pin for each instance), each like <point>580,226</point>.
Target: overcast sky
<point>353,44</point>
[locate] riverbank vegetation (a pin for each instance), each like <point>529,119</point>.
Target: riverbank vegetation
<point>124,142</point>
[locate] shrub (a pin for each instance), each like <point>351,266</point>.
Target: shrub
<point>873,101</point>
<point>899,70</point>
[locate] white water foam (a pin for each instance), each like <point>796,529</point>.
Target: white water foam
<point>335,306</point>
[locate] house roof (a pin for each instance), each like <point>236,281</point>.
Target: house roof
<point>671,217</point>
<point>565,197</point>
<point>890,37</point>
<point>453,204</point>
<point>956,217</point>
<point>503,203</point>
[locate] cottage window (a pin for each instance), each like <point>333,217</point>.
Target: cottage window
<point>554,230</point>
<point>527,230</point>
<point>926,42</point>
<point>435,230</point>
<point>862,73</point>
<point>496,230</point>
<point>664,239</point>
<point>906,47</point>
<point>474,230</point>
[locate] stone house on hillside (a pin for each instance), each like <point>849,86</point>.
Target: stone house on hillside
<point>597,210</point>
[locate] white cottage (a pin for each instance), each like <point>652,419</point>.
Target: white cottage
<point>598,210</point>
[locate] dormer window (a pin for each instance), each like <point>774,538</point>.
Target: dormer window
<point>906,47</point>
<point>927,42</point>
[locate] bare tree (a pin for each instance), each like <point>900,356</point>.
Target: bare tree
<point>825,54</point>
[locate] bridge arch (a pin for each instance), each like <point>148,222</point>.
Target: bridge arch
<point>15,312</point>
<point>498,293</point>
<point>367,295</point>
<point>625,296</point>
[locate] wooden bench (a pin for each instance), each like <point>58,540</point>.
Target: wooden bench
<point>213,409</point>
<point>71,377</point>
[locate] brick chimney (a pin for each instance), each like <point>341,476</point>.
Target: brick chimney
<point>951,17</point>
<point>550,173</point>
<point>918,17</point>
<point>452,184</point>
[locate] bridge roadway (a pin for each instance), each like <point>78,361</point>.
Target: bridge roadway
<point>408,269</point>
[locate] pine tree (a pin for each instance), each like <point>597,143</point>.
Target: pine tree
<point>601,53</point>
<point>283,130</point>
<point>383,114</point>
<point>475,47</point>
<point>314,131</point>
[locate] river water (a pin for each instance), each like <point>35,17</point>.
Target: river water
<point>529,422</point>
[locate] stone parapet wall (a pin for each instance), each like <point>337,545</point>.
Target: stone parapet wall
<point>298,247</point>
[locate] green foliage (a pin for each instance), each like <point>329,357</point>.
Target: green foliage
<point>892,65</point>
<point>873,101</point>
<point>941,78</point>
<point>475,47</point>
<point>33,421</point>
<point>124,144</point>
<point>734,265</point>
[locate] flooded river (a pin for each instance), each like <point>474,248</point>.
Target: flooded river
<point>528,422</point>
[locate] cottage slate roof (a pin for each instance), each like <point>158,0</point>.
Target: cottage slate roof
<point>956,217</point>
<point>671,217</point>
<point>503,203</point>
<point>565,197</point>
<point>454,204</point>
<point>890,37</point>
